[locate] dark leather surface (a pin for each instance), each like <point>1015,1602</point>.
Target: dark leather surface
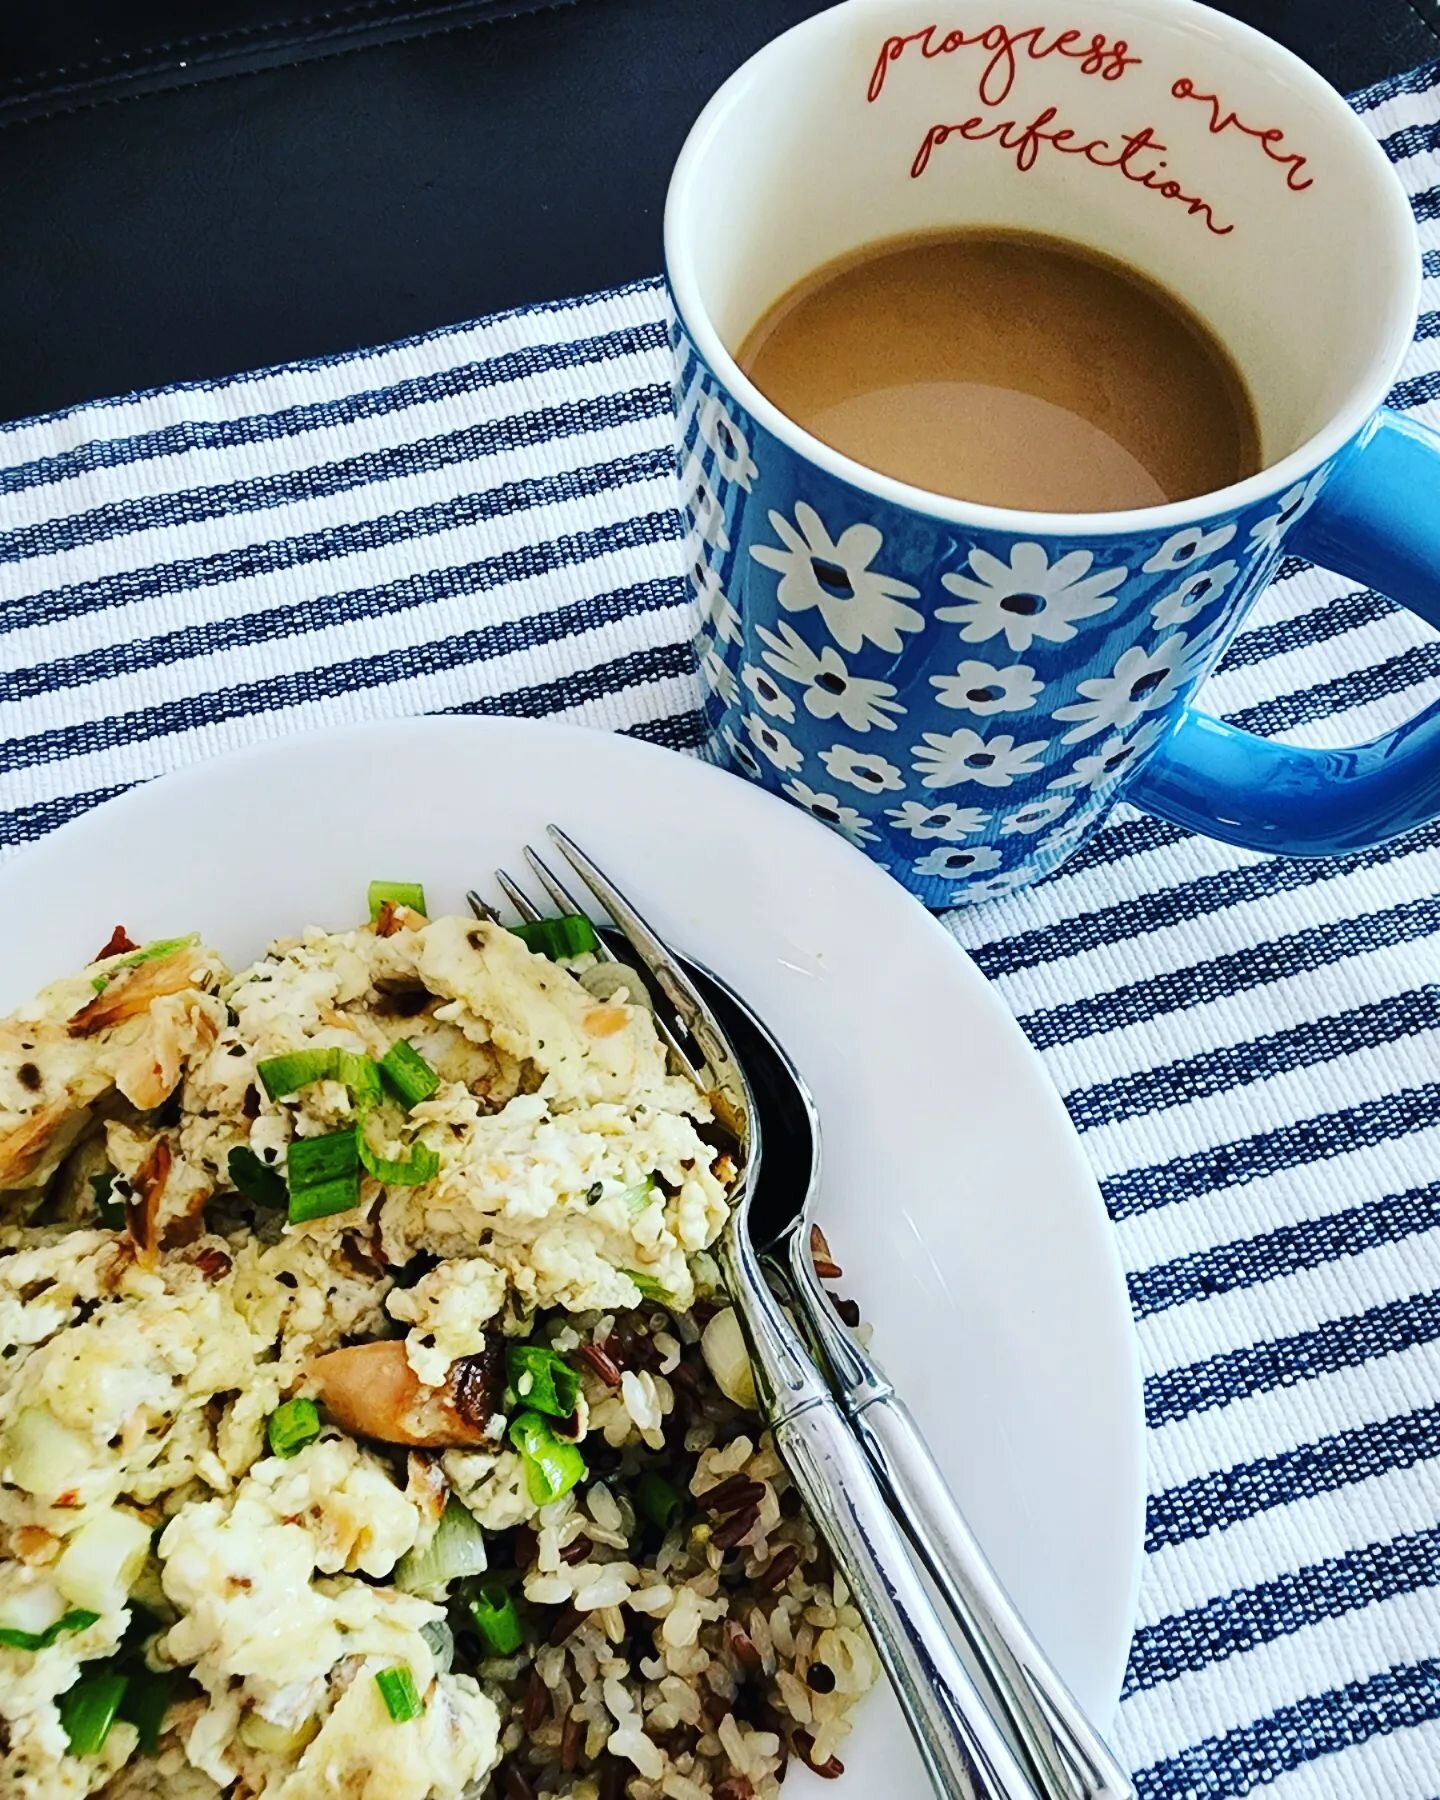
<point>187,190</point>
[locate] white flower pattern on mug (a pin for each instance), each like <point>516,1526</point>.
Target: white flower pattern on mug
<point>1141,681</point>
<point>1188,546</point>
<point>1197,591</point>
<point>847,820</point>
<point>773,744</point>
<point>706,513</point>
<point>766,695</point>
<point>993,887</point>
<point>858,603</point>
<point>946,821</point>
<point>713,601</point>
<point>1295,502</point>
<point>728,441</point>
<point>1109,762</point>
<point>1029,597</point>
<point>717,674</point>
<point>1035,815</point>
<point>862,769</point>
<point>831,691</point>
<point>742,754</point>
<point>978,687</point>
<point>947,760</point>
<point>948,860</point>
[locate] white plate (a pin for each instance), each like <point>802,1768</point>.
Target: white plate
<point>969,1225</point>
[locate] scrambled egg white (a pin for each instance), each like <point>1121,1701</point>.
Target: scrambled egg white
<point>153,1318</point>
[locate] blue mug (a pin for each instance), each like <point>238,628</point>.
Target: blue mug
<point>962,690</point>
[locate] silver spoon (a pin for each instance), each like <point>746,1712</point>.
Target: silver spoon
<point>965,1751</point>
<point>1067,1756</point>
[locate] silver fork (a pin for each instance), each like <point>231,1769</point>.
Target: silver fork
<point>964,1749</point>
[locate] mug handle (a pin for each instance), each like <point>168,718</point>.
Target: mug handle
<point>1378,522</point>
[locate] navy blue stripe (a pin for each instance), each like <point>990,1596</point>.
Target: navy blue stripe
<point>315,547</point>
<point>1180,904</point>
<point>397,664</point>
<point>1283,1362</point>
<point>1313,1140</point>
<point>1417,390</point>
<point>1349,612</point>
<point>641,668</point>
<point>1414,81</point>
<point>1247,1262</point>
<point>1234,1623</point>
<point>1229,1066</point>
<point>259,493</point>
<point>1234,1764</point>
<point>27,824</point>
<point>216,384</point>
<point>1219,977</point>
<point>1427,325</point>
<point>1426,206</point>
<point>682,731</point>
<point>344,410</point>
<point>1222,1498</point>
<point>1412,140</point>
<point>1430,264</point>
<point>1304,706</point>
<point>483,644</point>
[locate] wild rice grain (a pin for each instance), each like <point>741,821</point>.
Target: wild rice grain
<point>601,1361</point>
<point>537,1703</point>
<point>572,1740</point>
<point>805,1750</point>
<point>576,1552</point>
<point>780,1568</point>
<point>739,1497</point>
<point>736,1529</point>
<point>569,1621</point>
<point>743,1646</point>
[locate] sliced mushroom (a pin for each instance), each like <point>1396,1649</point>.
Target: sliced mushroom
<point>142,1210</point>
<point>371,1390</point>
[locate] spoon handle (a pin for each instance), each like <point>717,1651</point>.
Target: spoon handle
<point>966,1753</point>
<point>1068,1754</point>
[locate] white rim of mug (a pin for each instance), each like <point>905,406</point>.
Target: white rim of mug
<point>1347,422</point>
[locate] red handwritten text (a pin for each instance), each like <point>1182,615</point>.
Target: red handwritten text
<point>1269,137</point>
<point>1138,155</point>
<point>1097,55</point>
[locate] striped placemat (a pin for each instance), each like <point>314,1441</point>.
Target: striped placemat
<point>482,520</point>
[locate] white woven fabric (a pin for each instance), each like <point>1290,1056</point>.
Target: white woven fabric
<point>483,520</point>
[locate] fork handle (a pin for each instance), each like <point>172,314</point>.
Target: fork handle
<point>1068,1754</point>
<point>965,1752</point>
<point>1073,1758</point>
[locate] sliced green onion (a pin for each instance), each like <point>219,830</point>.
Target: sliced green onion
<point>254,1178</point>
<point>361,1076</point>
<point>153,952</point>
<point>493,1610</point>
<point>422,1164</point>
<point>658,1500</point>
<point>397,1690</point>
<point>148,1697</point>
<point>292,1426</point>
<point>407,1074</point>
<point>323,1175</point>
<point>457,1550</point>
<point>111,1211</point>
<point>636,1199</point>
<point>552,1467</point>
<point>283,1075</point>
<point>650,1287</point>
<point>571,934</point>
<point>398,893</point>
<point>13,1638</point>
<point>99,983</point>
<point>87,1711</point>
<point>542,1380</point>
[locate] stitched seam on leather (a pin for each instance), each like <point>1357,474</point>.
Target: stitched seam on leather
<point>524,9</point>
<point>143,61</point>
